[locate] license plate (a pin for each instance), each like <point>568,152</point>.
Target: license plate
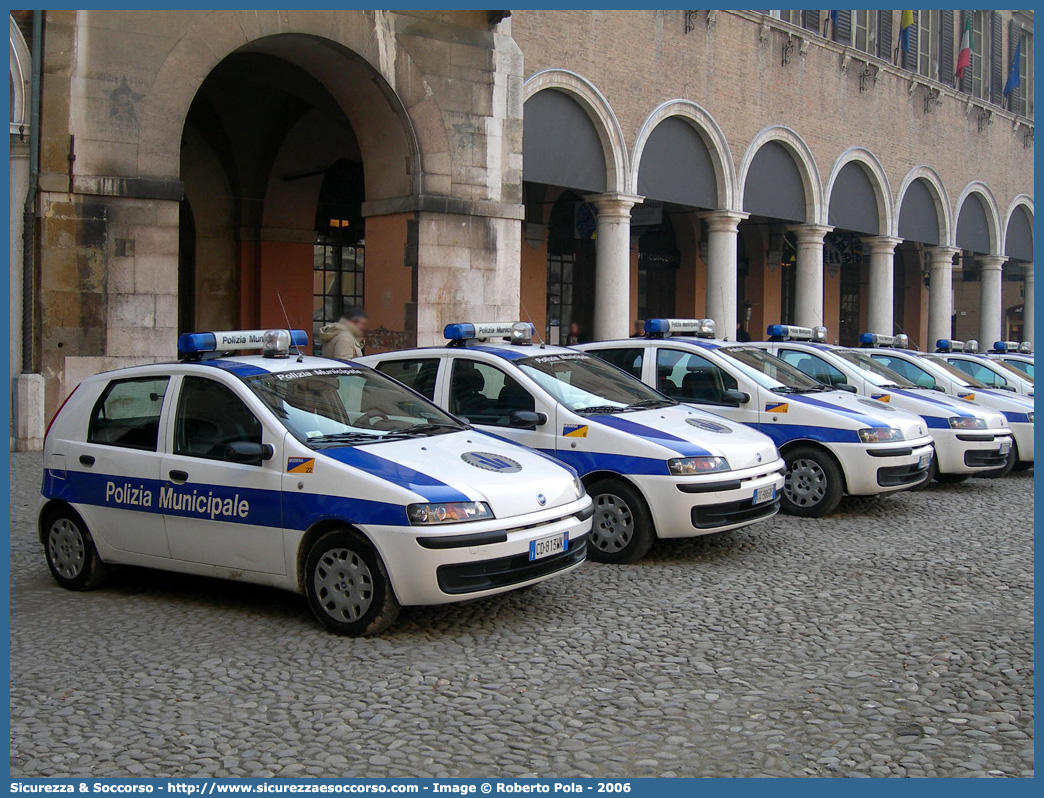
<point>924,461</point>
<point>1005,447</point>
<point>765,494</point>
<point>546,547</point>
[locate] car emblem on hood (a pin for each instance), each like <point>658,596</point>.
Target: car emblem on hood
<point>541,499</point>
<point>491,462</point>
<point>757,456</point>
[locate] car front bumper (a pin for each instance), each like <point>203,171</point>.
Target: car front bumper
<point>882,468</point>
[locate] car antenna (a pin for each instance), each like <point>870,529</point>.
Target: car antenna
<point>300,357</point>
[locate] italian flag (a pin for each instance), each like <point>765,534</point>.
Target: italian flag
<point>964,56</point>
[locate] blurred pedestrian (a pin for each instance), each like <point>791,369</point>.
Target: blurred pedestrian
<point>576,335</point>
<point>741,333</point>
<point>639,329</point>
<point>343,340</point>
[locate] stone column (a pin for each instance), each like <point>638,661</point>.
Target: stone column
<point>991,325</point>
<point>808,302</point>
<point>881,294</point>
<point>613,265</point>
<point>940,294</point>
<point>722,228</point>
<point>1027,306</point>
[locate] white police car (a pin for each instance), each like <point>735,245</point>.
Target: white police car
<point>654,467</point>
<point>319,476</point>
<point>832,441</point>
<point>968,438</point>
<point>992,373</point>
<point>931,371</point>
<point>1015,354</point>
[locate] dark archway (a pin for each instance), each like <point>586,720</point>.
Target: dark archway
<point>918,214</point>
<point>774,187</point>
<point>560,144</point>
<point>853,201</point>
<point>973,226</point>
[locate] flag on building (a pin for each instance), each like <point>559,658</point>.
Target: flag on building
<point>1014,78</point>
<point>906,22</point>
<point>964,56</point>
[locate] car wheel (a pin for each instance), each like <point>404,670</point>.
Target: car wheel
<point>70,552</point>
<point>930,474</point>
<point>347,585</point>
<point>1004,470</point>
<point>813,483</point>
<point>622,529</point>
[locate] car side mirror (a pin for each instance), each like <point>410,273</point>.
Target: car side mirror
<point>844,386</point>
<point>527,419</point>
<point>735,398</point>
<point>249,452</point>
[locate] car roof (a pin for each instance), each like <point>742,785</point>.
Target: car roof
<point>505,350</point>
<point>240,365</point>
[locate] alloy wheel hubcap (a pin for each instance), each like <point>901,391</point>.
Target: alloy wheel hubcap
<point>66,548</point>
<point>343,585</point>
<point>613,523</point>
<point>806,483</point>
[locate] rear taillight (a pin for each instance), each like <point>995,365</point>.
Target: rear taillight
<point>58,412</point>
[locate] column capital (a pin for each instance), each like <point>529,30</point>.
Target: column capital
<point>991,261</point>
<point>941,257</point>
<point>614,204</point>
<point>723,221</point>
<point>881,245</point>
<point>810,233</point>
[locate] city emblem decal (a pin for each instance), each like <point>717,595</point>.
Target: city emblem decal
<point>574,430</point>
<point>300,465</point>
<point>777,407</point>
<point>491,462</point>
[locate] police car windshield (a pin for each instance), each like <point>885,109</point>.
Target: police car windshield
<point>1024,367</point>
<point>877,373</point>
<point>770,372</point>
<point>958,376</point>
<point>1007,366</point>
<point>348,406</point>
<point>586,384</point>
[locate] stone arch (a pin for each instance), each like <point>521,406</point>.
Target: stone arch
<point>598,110</point>
<point>990,238</point>
<point>803,159</point>
<point>932,187</point>
<point>1018,229</point>
<point>873,171</point>
<point>21,65</point>
<point>342,46</point>
<point>709,132</point>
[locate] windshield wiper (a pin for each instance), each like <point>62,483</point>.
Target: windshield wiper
<point>344,436</point>
<point>600,409</point>
<point>646,404</point>
<point>432,427</point>
<point>814,389</point>
<point>784,389</point>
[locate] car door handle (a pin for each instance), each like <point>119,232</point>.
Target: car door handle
<point>179,477</point>
<point>86,459</point>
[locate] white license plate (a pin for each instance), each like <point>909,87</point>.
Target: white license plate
<point>546,547</point>
<point>924,461</point>
<point>765,494</point>
<point>1005,447</point>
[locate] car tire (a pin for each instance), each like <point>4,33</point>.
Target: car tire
<point>622,528</point>
<point>70,551</point>
<point>1004,470</point>
<point>813,483</point>
<point>347,585</point>
<point>931,474</point>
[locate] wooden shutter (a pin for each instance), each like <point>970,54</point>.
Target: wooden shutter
<point>946,62</point>
<point>910,56</point>
<point>996,59</point>
<point>843,33</point>
<point>1015,98</point>
<point>884,34</point>
<point>811,21</point>
<point>966,81</point>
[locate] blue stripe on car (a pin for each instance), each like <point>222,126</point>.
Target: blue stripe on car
<point>233,367</point>
<point>680,445</point>
<point>405,477</point>
<point>588,462</point>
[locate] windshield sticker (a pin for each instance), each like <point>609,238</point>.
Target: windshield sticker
<point>777,407</point>
<point>574,430</point>
<point>560,358</point>
<point>491,462</point>
<point>300,465</point>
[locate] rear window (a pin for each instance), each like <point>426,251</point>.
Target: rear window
<point>128,413</point>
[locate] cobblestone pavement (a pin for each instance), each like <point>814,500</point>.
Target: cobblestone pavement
<point>894,638</point>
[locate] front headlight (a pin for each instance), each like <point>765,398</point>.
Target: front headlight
<point>579,486</point>
<point>448,513</point>
<point>1029,417</point>
<point>880,434</point>
<point>967,423</point>
<point>688,466</point>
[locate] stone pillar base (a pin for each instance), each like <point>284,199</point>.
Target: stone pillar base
<point>28,412</point>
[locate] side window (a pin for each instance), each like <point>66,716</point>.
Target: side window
<point>209,418</point>
<point>688,376</point>
<point>630,360</point>
<point>483,394</point>
<point>418,374</point>
<point>814,366</point>
<point>915,374</point>
<point>128,413</point>
<point>979,372</point>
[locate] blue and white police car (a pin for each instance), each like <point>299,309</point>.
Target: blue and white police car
<point>319,476</point>
<point>997,374</point>
<point>930,370</point>
<point>968,438</point>
<point>832,441</point>
<point>1015,354</point>
<point>655,469</point>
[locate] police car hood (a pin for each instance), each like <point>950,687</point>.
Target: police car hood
<point>940,405</point>
<point>860,412</point>
<point>684,431</point>
<point>1003,401</point>
<point>466,466</point>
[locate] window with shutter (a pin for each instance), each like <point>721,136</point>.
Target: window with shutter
<point>865,28</point>
<point>910,56</point>
<point>927,26</point>
<point>1021,99</point>
<point>812,21</point>
<point>843,28</point>
<point>884,34</point>
<point>980,55</point>
<point>996,58</point>
<point>946,62</point>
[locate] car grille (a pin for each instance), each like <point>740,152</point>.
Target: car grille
<point>985,459</point>
<point>731,513</point>
<point>894,476</point>
<point>473,577</point>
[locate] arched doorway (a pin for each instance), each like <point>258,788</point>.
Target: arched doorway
<point>284,142</point>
